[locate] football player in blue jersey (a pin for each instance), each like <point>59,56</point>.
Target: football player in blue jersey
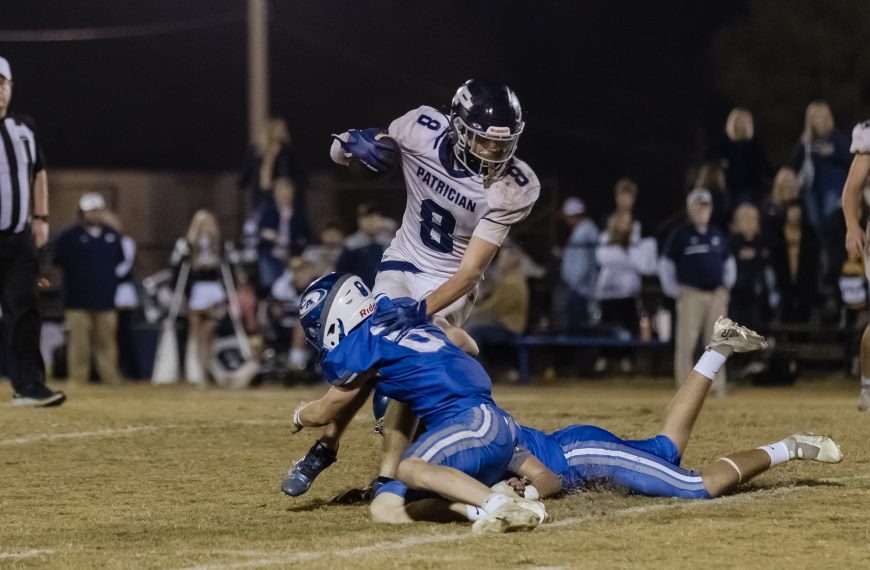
<point>585,455</point>
<point>466,188</point>
<point>468,442</point>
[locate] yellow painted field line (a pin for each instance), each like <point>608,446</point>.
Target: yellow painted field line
<point>412,541</point>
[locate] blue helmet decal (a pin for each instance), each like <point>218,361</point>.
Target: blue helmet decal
<point>311,300</point>
<point>331,308</point>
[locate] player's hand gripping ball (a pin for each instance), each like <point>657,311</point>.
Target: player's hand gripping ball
<point>370,152</point>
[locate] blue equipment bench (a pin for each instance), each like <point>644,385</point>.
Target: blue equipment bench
<point>523,345</point>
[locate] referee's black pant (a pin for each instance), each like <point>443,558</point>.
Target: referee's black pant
<point>18,297</point>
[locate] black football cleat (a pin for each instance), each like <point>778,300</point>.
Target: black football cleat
<point>39,396</point>
<point>301,476</point>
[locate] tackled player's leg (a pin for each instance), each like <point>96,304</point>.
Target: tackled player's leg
<point>457,462</point>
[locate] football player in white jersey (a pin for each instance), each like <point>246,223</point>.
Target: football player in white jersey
<point>855,195</point>
<point>465,190</point>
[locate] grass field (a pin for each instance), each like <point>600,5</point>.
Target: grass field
<point>140,477</point>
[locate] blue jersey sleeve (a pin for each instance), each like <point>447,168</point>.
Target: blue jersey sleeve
<point>355,354</point>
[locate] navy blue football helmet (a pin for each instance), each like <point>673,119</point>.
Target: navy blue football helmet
<point>486,122</point>
<point>331,307</point>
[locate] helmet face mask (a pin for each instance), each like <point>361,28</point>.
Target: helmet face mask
<point>485,127</point>
<point>331,308</point>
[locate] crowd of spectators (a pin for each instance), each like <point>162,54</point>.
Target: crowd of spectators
<point>763,245</point>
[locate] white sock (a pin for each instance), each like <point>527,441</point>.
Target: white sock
<point>709,364</point>
<point>865,383</point>
<point>494,501</point>
<point>474,513</point>
<point>778,452</point>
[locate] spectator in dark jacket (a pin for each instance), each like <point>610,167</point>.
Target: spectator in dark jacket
<point>796,264</point>
<point>283,232</point>
<point>822,160</point>
<point>88,255</point>
<point>750,295</point>
<point>697,270</point>
<point>363,250</point>
<point>785,190</point>
<point>747,170</point>
<point>711,176</point>
<point>271,158</point>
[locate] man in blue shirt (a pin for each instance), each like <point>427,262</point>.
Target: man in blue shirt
<point>88,254</point>
<point>584,455</point>
<point>697,269</point>
<point>468,442</point>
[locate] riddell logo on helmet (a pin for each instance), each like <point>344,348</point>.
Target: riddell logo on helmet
<point>499,131</point>
<point>366,311</point>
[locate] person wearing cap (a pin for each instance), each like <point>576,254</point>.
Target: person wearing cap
<point>23,225</point>
<point>697,269</point>
<point>88,254</point>
<point>578,264</point>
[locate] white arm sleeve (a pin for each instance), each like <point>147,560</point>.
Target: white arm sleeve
<point>128,245</point>
<point>729,275</point>
<point>644,255</point>
<point>668,277</point>
<point>861,138</point>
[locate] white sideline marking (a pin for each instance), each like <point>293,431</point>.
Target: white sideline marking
<point>109,432</point>
<point>25,554</point>
<point>422,540</point>
<point>79,434</point>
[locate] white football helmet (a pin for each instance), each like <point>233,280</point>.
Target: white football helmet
<point>333,306</point>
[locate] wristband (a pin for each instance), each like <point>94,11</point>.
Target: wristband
<point>42,218</point>
<point>297,420</point>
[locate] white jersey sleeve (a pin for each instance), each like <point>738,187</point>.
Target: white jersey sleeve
<point>510,201</point>
<point>861,138</point>
<point>411,140</point>
<point>407,131</point>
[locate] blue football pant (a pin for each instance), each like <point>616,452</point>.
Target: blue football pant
<point>649,467</point>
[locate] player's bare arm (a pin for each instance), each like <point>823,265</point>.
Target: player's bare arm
<point>476,260</point>
<point>852,198</point>
<point>535,474</point>
<point>326,409</point>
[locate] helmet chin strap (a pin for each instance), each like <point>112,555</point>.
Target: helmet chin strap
<point>489,177</point>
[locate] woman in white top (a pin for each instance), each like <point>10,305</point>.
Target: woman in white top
<point>621,262</point>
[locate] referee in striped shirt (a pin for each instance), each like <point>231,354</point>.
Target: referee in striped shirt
<point>23,224</point>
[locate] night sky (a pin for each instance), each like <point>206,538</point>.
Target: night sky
<point>608,89</point>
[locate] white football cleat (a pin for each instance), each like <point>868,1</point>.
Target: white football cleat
<point>812,447</point>
<point>505,489</point>
<point>536,507</point>
<point>741,339</point>
<point>864,400</point>
<point>509,517</point>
